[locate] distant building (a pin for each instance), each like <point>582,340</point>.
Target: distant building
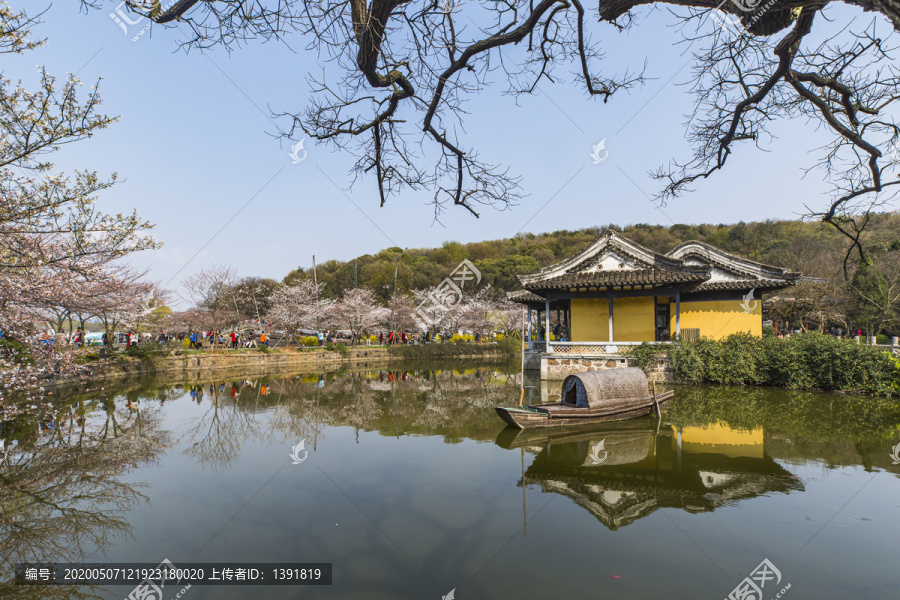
<point>617,292</point>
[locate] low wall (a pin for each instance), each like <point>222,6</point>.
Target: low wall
<point>251,362</point>
<point>556,367</point>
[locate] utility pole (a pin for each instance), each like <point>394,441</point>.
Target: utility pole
<point>316,286</point>
<point>394,295</point>
<point>355,274</point>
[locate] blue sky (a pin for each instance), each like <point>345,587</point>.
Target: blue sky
<point>194,148</point>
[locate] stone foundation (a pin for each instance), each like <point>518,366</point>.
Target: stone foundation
<point>557,367</point>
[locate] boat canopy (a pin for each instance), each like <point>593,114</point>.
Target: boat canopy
<point>606,388</point>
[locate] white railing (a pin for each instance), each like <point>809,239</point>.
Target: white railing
<point>583,347</point>
<point>591,347</point>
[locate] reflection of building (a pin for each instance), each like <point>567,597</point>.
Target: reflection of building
<point>625,471</point>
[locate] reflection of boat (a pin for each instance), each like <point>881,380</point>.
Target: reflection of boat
<point>621,472</point>
<point>592,397</point>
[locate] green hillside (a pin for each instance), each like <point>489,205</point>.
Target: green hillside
<point>814,249</point>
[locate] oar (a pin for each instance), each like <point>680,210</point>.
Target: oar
<point>524,510</point>
<point>522,395</point>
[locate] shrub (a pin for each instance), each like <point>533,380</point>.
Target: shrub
<point>309,341</point>
<point>811,360</point>
<point>339,348</point>
<point>647,356</point>
<point>510,345</point>
<point>15,351</point>
<point>768,331</point>
<point>145,350</point>
<point>882,339</point>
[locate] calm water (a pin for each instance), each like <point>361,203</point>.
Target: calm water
<point>412,487</point>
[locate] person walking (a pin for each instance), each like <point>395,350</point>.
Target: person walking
<point>193,341</point>
<point>233,340</point>
<point>381,338</point>
<point>264,339</point>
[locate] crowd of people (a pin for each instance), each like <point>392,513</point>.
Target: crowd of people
<point>249,338</point>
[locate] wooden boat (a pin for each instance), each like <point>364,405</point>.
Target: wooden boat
<point>592,397</point>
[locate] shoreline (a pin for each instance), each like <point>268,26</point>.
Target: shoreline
<point>259,362</point>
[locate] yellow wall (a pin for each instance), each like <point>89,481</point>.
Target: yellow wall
<point>721,439</point>
<point>718,319</point>
<point>590,319</point>
<point>633,319</point>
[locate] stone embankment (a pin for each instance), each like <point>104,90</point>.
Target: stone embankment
<point>254,362</point>
<point>554,367</point>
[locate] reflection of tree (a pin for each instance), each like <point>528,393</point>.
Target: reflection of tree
<point>362,409</point>
<point>60,493</point>
<point>216,438</point>
<point>299,412</point>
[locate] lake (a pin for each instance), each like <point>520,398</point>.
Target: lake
<point>408,483</point>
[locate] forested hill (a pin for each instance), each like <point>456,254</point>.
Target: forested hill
<point>813,248</point>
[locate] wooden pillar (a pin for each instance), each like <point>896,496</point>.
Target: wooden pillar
<point>678,315</point>
<point>547,321</point>
<point>529,326</point>
<point>610,298</point>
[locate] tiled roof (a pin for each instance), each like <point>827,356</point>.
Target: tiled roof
<point>524,296</point>
<point>745,284</point>
<point>616,278</point>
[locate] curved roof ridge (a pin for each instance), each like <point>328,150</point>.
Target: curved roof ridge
<point>680,251</point>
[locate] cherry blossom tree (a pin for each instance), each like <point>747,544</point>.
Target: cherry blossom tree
<point>475,313</point>
<point>507,316</point>
<point>401,313</point>
<point>357,311</point>
<point>295,306</point>
<point>210,290</point>
<point>54,242</point>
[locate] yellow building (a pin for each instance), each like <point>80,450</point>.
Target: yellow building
<point>617,292</point>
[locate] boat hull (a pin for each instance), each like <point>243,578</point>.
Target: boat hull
<point>540,416</point>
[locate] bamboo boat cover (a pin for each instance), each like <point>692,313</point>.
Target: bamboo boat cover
<point>605,389</point>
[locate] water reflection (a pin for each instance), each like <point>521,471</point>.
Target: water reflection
<point>624,471</point>
<point>62,490</point>
<point>70,479</point>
